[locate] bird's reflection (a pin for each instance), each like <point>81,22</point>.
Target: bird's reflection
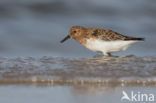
<point>92,89</point>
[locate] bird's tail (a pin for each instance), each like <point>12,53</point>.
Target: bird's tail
<point>137,39</point>
<point>140,39</point>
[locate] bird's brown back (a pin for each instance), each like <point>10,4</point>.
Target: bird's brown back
<point>107,35</point>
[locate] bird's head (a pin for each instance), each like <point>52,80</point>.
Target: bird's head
<point>75,32</point>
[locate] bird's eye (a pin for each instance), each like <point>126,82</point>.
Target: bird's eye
<point>74,31</point>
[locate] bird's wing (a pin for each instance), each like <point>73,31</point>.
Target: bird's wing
<point>109,35</point>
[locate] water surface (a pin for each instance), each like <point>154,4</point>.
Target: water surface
<point>128,70</point>
<point>36,68</point>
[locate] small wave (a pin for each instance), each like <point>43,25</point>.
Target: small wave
<point>129,70</point>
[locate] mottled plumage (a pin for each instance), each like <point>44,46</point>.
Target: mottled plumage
<point>108,35</point>
<point>101,40</point>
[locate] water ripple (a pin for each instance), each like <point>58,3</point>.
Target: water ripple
<point>129,70</point>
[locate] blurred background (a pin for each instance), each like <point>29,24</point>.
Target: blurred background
<point>35,27</point>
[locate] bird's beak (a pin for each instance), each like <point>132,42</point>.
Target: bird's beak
<point>66,38</point>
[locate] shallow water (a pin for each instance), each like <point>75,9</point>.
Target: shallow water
<point>128,70</point>
<point>68,73</point>
<point>86,80</point>
<point>70,94</point>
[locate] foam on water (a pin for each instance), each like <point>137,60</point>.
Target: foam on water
<point>129,70</point>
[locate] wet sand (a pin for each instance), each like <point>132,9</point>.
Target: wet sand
<point>85,80</point>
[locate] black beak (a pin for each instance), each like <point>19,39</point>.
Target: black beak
<point>66,38</point>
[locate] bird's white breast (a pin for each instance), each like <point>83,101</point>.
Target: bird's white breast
<point>108,46</point>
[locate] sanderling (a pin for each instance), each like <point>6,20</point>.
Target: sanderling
<point>101,40</point>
